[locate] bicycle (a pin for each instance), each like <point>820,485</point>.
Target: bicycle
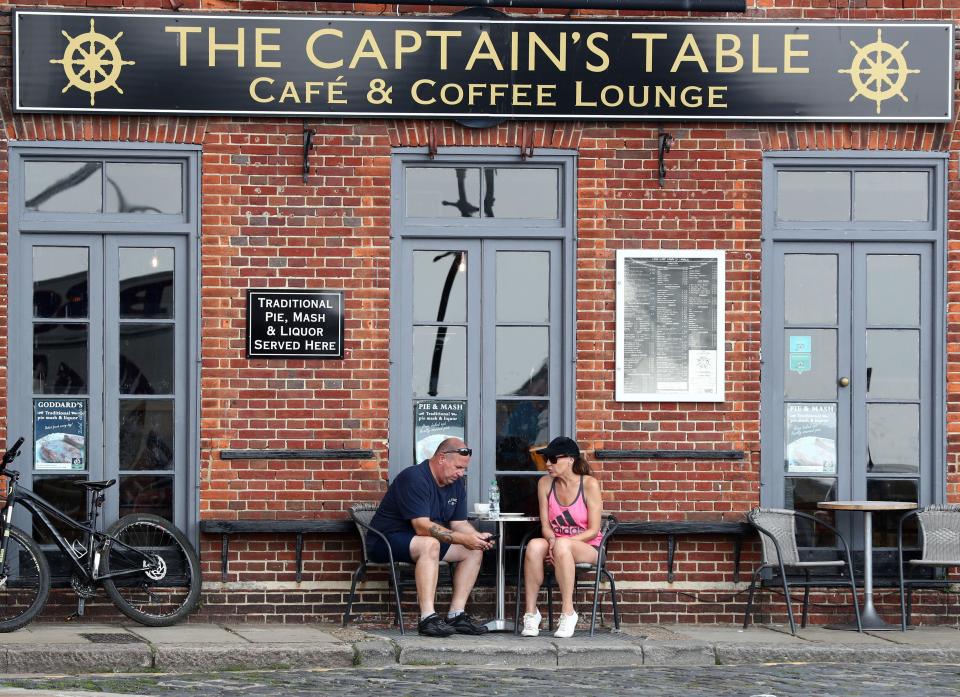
<point>146,565</point>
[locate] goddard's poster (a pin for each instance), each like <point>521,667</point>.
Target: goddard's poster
<point>670,326</point>
<point>435,420</point>
<point>60,434</point>
<point>810,434</point>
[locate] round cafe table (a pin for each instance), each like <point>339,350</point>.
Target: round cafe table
<point>868,616</point>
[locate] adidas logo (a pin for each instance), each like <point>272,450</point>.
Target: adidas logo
<point>564,524</point>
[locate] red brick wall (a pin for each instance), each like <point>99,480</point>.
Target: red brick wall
<point>263,227</point>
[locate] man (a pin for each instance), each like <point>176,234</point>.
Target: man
<point>424,516</point>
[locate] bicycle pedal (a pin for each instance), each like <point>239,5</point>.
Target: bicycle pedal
<point>73,616</point>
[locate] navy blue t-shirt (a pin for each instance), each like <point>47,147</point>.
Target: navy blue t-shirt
<point>416,494</point>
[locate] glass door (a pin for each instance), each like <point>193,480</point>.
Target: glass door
<point>852,375</point>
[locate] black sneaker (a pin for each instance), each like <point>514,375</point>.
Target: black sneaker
<point>434,625</point>
<point>465,624</point>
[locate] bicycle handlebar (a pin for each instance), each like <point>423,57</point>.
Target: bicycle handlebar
<point>11,453</point>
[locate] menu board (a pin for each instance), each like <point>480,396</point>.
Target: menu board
<point>670,326</point>
<point>435,421</point>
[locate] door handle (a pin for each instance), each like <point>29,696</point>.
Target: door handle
<point>843,382</point>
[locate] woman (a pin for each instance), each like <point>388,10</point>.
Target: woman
<point>570,509</point>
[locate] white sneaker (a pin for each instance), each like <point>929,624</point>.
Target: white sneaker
<point>568,623</point>
<point>531,624</point>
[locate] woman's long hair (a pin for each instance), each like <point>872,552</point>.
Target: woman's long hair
<point>580,466</point>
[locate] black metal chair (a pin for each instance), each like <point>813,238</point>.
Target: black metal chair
<point>362,514</point>
<point>939,528</point>
<point>778,534</point>
<point>608,526</point>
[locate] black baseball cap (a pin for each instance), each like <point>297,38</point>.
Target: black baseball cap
<point>560,446</point>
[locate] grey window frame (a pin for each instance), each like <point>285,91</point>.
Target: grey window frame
<point>135,227</point>
<point>402,228</point>
<point>932,232</point>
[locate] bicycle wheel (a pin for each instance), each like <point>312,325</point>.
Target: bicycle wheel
<point>24,581</point>
<point>158,590</point>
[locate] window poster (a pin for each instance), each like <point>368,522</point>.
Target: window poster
<point>60,434</point>
<point>670,326</point>
<point>435,420</point>
<point>810,434</point>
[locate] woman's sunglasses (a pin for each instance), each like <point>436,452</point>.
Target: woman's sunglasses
<point>553,458</point>
<point>466,452</point>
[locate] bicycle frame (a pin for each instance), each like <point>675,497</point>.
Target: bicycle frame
<point>94,539</point>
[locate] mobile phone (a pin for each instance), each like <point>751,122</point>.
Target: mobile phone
<point>493,538</point>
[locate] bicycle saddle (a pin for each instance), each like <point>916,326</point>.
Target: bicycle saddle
<point>97,486</point>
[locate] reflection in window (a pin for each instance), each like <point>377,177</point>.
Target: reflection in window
<point>522,360</point>
<point>60,281</point>
<point>440,286</point>
<point>146,358</point>
<point>439,361</point>
<point>885,524</point>
<point>146,282</point>
<point>144,187</point>
<point>522,192</point>
<point>443,192</point>
<point>893,432</point>
<point>520,425</point>
<point>146,434</point>
<point>63,187</point>
<point>62,492</point>
<point>60,358</point>
<point>803,494</point>
<point>523,286</point>
<point>144,493</point>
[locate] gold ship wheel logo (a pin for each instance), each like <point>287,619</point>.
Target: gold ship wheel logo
<point>92,62</point>
<point>879,71</point>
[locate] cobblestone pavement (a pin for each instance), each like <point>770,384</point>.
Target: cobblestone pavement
<point>820,680</point>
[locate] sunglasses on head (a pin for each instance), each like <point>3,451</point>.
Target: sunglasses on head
<point>466,452</point>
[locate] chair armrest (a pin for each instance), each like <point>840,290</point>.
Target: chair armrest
<point>839,536</point>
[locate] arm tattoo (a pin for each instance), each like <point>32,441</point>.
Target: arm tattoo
<point>441,534</point>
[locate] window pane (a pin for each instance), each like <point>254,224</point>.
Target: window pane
<point>144,493</point>
<point>65,495</point>
<point>893,289</point>
<point>523,287</point>
<point>146,358</point>
<point>521,424</point>
<point>522,354</point>
<point>522,193</point>
<point>810,364</point>
<point>144,187</point>
<point>813,196</point>
<point>893,363</point>
<point>60,278</point>
<point>885,524</point>
<point>439,286</point>
<point>890,196</point>
<point>60,358</point>
<point>443,192</point>
<point>810,289</point>
<point>146,434</point>
<point>63,187</point>
<point>439,361</point>
<point>803,494</point>
<point>146,282</point>
<point>894,438</point>
<point>518,494</point>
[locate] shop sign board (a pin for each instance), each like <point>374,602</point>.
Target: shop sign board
<point>294,324</point>
<point>467,67</point>
<point>59,434</point>
<point>435,421</point>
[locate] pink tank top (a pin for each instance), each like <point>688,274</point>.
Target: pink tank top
<point>567,521</point>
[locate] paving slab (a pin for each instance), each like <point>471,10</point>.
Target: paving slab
<point>502,650</point>
<point>927,636</point>
<point>841,637</point>
<point>44,634</point>
<point>723,634</point>
<point>281,633</point>
<point>188,634</point>
<point>201,658</point>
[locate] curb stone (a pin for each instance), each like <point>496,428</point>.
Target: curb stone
<point>582,654</point>
<point>745,655</point>
<point>79,658</point>
<point>204,657</point>
<point>376,653</point>
<point>477,653</point>
<point>678,653</point>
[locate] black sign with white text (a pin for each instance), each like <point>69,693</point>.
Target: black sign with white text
<point>455,67</point>
<point>294,324</point>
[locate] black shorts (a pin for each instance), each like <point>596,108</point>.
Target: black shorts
<point>399,544</point>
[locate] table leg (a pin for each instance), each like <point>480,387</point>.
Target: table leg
<point>499,622</point>
<point>869,618</point>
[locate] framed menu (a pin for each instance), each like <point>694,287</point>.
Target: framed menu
<point>670,326</point>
